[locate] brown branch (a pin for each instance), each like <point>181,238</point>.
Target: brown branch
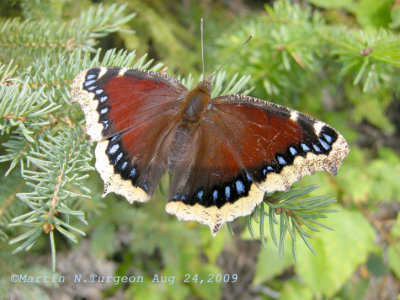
<point>54,199</point>
<point>11,116</point>
<point>378,226</point>
<point>11,198</point>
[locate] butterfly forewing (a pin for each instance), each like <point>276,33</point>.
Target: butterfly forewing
<point>130,112</point>
<point>279,145</point>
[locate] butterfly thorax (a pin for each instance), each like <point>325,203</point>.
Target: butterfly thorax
<point>196,103</point>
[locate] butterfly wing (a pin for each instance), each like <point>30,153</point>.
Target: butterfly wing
<point>243,148</point>
<point>210,179</point>
<point>131,113</point>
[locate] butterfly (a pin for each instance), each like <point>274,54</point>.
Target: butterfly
<point>224,153</point>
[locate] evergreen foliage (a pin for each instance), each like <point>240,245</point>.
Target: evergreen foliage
<point>50,194</point>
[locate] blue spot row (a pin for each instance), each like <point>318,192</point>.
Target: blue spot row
<point>119,159</point>
<point>317,145</point>
<point>91,84</point>
<point>219,195</point>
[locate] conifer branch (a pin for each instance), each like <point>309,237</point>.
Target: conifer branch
<point>294,38</point>
<point>296,211</point>
<point>60,165</point>
<point>39,38</point>
<point>42,128</point>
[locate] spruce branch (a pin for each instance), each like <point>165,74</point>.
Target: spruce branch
<point>7,71</point>
<point>290,212</point>
<point>296,40</point>
<point>59,167</point>
<point>40,38</point>
<point>236,85</point>
<point>40,10</point>
<point>9,206</point>
<point>98,22</point>
<point>24,39</point>
<point>24,115</point>
<point>368,55</point>
<point>19,106</point>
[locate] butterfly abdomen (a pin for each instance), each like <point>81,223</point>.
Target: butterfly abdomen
<point>181,141</point>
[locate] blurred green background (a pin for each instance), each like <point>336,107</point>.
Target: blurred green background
<point>335,60</point>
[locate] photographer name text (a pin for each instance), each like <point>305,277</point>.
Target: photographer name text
<point>114,279</point>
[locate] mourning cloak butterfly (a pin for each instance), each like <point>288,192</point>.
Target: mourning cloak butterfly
<point>223,153</point>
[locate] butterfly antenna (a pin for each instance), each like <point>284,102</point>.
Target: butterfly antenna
<point>202,44</point>
<point>230,58</point>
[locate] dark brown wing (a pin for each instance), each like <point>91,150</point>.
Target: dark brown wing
<point>132,114</point>
<point>243,148</point>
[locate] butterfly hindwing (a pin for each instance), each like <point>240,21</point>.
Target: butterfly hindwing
<point>209,181</point>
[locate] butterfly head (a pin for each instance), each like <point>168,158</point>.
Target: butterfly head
<point>206,84</point>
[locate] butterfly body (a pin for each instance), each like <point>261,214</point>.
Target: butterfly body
<point>223,153</point>
<point>196,103</point>
<point>191,113</point>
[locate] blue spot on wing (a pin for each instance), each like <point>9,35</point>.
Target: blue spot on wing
<point>281,160</point>
<point>144,187</point>
<point>248,177</point>
<point>104,110</point>
<point>114,137</point>
<point>113,149</point>
<point>132,172</point>
<point>227,192</point>
<point>316,148</point>
<point>305,147</point>
<point>90,76</point>
<point>293,151</point>
<point>267,169</point>
<point>240,187</point>
<point>105,123</point>
<point>87,83</point>
<point>117,159</point>
<point>103,98</point>
<point>328,138</point>
<point>324,144</point>
<point>215,195</point>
